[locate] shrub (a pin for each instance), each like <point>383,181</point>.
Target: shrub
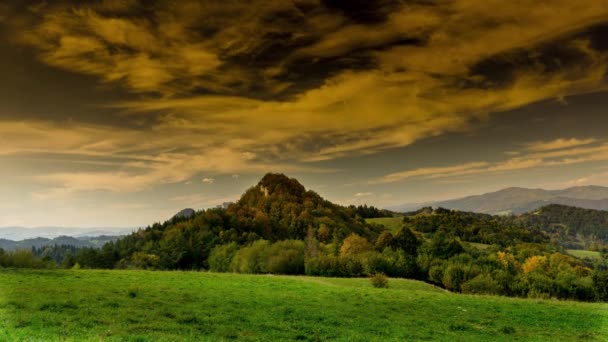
<point>221,257</point>
<point>385,240</point>
<point>286,257</point>
<point>600,284</point>
<point>283,257</point>
<point>454,277</point>
<point>251,259</point>
<point>335,266</point>
<point>143,260</point>
<point>436,273</point>
<point>379,280</point>
<point>482,284</point>
<point>540,286</point>
<point>22,259</point>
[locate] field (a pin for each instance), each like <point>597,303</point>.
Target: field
<point>391,223</point>
<point>579,253</point>
<point>171,306</point>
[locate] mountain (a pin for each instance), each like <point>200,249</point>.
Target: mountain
<point>23,233</point>
<point>277,208</point>
<point>86,241</point>
<point>185,213</point>
<point>521,200</point>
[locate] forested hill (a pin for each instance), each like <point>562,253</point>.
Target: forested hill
<point>279,227</point>
<point>277,208</point>
<point>567,226</point>
<point>570,225</point>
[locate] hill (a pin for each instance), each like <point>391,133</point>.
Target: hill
<point>280,227</point>
<point>78,242</point>
<point>570,226</point>
<point>177,306</point>
<point>521,200</point>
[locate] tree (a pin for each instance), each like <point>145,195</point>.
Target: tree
<point>355,244</point>
<point>385,240</point>
<point>600,284</point>
<point>407,241</point>
<point>221,257</point>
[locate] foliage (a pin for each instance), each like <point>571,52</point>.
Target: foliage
<point>22,259</point>
<point>279,227</point>
<point>482,284</point>
<point>569,225</point>
<point>600,284</point>
<point>379,280</point>
<point>354,245</point>
<point>220,259</point>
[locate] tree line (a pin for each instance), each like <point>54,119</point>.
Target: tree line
<point>278,227</point>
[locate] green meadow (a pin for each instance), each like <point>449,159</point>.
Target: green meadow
<point>75,305</point>
<point>393,224</point>
<point>584,254</point>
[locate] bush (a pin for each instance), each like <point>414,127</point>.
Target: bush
<point>454,277</point>
<point>482,284</point>
<point>540,285</point>
<point>22,259</point>
<point>145,261</point>
<point>334,266</point>
<point>286,257</point>
<point>283,257</point>
<point>379,280</point>
<point>600,284</point>
<point>251,259</point>
<point>221,257</point>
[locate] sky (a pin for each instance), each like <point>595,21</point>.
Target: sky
<point>119,113</point>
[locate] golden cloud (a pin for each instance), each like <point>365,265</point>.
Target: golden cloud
<point>566,155</point>
<point>223,85</point>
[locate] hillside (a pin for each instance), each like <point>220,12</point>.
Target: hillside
<point>177,306</point>
<point>280,227</point>
<point>521,200</point>
<point>570,226</point>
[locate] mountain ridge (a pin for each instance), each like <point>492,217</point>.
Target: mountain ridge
<point>519,200</point>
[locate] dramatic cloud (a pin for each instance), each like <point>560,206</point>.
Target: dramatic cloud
<point>559,144</point>
<point>555,153</point>
<point>307,81</point>
<point>176,90</point>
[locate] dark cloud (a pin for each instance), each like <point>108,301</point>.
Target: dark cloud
<point>364,11</point>
<point>572,53</point>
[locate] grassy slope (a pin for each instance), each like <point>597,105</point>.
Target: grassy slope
<point>393,224</point>
<point>139,305</point>
<point>579,253</point>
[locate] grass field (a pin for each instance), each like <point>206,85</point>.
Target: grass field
<point>79,305</point>
<point>579,253</point>
<point>393,224</point>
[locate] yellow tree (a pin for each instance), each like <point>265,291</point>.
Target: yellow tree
<point>355,244</point>
<point>533,263</point>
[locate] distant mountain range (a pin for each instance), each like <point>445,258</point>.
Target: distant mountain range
<point>85,241</point>
<point>23,233</point>
<point>521,200</point>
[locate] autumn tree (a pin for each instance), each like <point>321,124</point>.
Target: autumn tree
<point>355,244</point>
